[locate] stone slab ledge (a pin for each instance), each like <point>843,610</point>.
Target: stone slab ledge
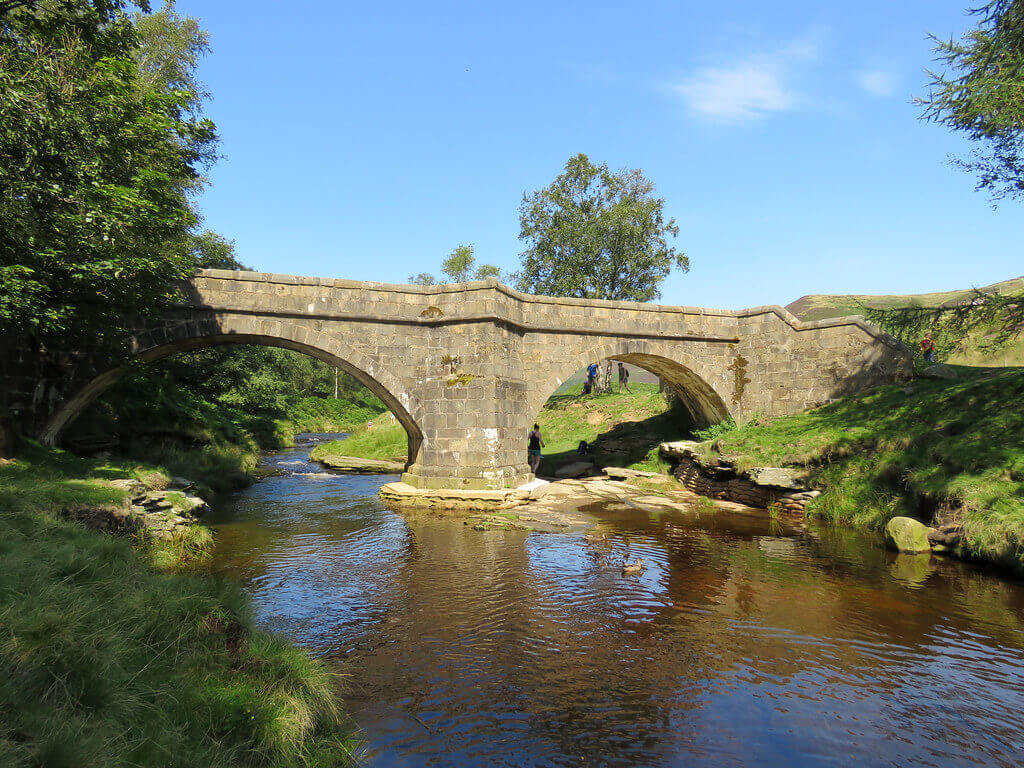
<point>404,496</point>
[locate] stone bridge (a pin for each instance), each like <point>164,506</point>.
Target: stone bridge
<point>466,368</point>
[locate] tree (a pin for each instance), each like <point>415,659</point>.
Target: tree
<point>596,234</point>
<point>459,267</point>
<point>96,165</point>
<point>423,278</point>
<point>485,271</point>
<point>459,263</point>
<point>980,95</point>
<point>212,251</point>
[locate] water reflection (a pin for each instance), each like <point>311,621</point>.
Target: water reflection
<point>739,645</point>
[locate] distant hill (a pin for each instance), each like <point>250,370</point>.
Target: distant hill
<point>823,306</point>
<point>970,351</point>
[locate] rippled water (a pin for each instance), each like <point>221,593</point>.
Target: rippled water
<point>740,645</point>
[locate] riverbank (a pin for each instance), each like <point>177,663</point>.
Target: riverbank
<point>943,450</point>
<point>113,653</point>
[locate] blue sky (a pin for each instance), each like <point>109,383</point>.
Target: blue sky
<point>366,140</point>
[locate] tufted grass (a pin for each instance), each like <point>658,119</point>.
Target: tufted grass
<point>107,661</point>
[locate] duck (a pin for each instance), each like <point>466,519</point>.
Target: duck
<point>594,538</point>
<point>631,569</point>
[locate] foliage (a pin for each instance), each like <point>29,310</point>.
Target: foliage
<point>106,662</point>
<point>715,430</point>
<point>953,449</point>
<point>596,234</point>
<point>212,251</point>
<point>458,266</point>
<point>979,95</point>
<point>985,320</point>
<point>95,168</point>
<point>423,278</point>
<point>459,263</point>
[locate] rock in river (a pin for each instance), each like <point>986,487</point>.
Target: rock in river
<point>361,466</point>
<point>907,535</point>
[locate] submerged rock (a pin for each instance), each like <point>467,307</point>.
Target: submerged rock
<point>906,534</point>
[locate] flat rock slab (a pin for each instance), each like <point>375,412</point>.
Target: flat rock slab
<point>405,496</point>
<point>621,473</point>
<point>575,469</point>
<point>356,465</point>
<point>780,477</point>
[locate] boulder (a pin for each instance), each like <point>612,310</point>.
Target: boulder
<point>940,371</point>
<point>678,449</point>
<point>575,469</point>
<point>905,534</point>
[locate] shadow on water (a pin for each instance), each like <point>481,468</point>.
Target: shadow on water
<point>742,643</point>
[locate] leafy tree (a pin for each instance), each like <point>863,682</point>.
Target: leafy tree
<point>980,95</point>
<point>210,250</point>
<point>423,278</point>
<point>95,168</point>
<point>459,267</point>
<point>459,263</point>
<point>485,271</point>
<point>596,234</point>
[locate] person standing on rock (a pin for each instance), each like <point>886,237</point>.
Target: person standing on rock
<point>536,443</point>
<point>624,378</point>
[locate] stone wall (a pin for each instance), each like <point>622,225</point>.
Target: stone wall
<point>466,368</point>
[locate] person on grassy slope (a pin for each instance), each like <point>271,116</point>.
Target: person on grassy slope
<point>624,378</point>
<point>928,348</point>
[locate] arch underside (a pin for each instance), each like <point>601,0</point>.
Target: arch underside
<point>683,368</point>
<point>76,405</point>
<point>701,401</point>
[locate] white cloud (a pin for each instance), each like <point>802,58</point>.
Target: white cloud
<point>877,82</point>
<point>751,88</point>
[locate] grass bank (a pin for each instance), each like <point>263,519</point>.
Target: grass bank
<point>107,661</point>
<point>939,450</point>
<point>623,429</point>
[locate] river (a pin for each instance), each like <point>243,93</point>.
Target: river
<point>742,644</point>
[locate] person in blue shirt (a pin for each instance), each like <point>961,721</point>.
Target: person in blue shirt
<point>591,374</point>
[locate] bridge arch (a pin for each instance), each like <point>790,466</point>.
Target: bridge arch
<point>212,331</point>
<point>696,383</point>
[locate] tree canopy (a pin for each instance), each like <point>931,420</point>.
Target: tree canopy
<point>980,93</point>
<point>458,266</point>
<point>97,160</point>
<point>596,234</point>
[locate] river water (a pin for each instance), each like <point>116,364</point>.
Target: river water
<point>742,644</point>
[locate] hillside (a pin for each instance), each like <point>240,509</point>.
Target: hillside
<point>823,306</point>
<point>972,350</point>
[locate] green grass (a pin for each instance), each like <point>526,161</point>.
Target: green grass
<point>106,661</point>
<point>384,441</point>
<point>931,449</point>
